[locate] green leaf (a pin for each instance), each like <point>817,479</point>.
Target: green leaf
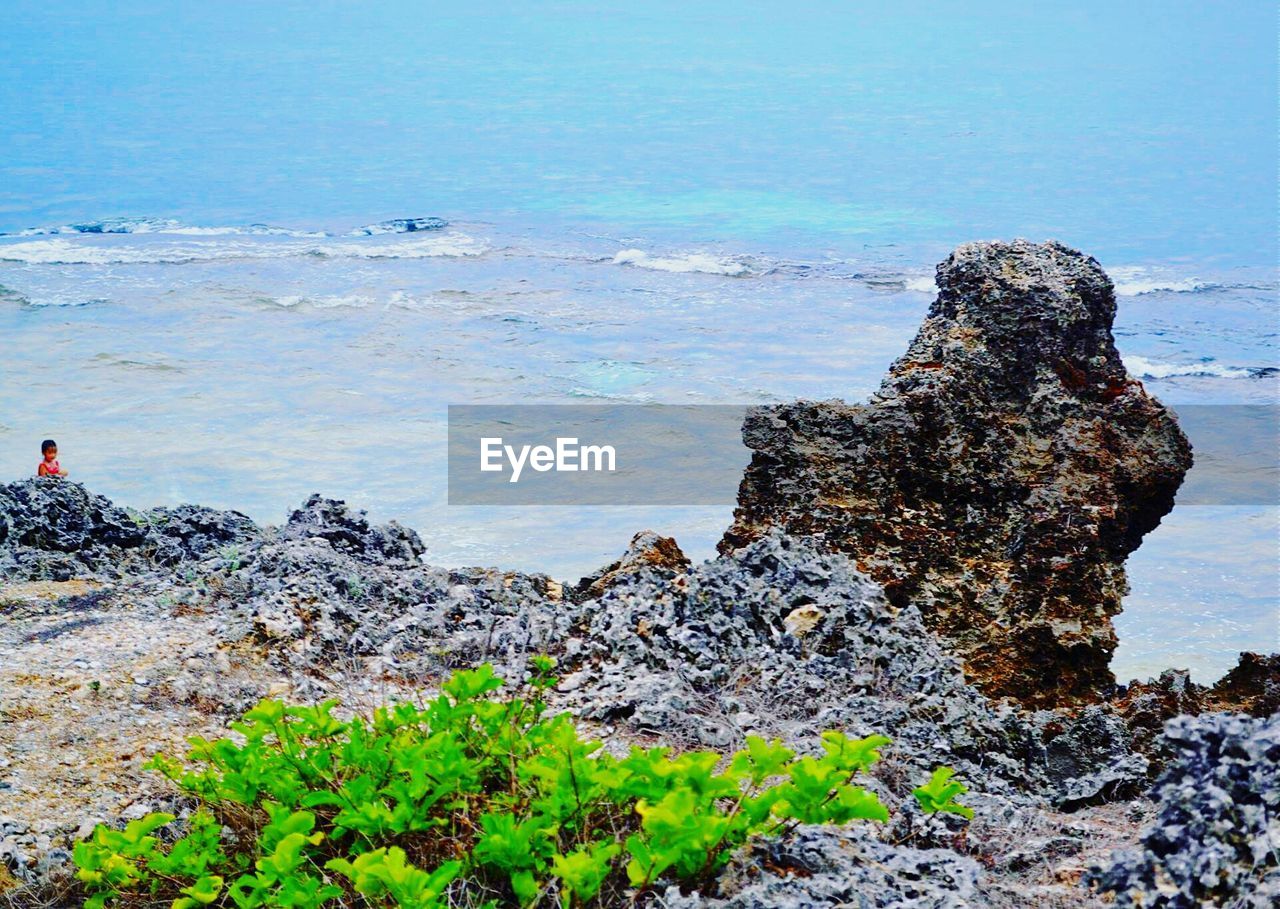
<point>583,871</point>
<point>849,754</point>
<point>203,892</point>
<point>939,794</point>
<point>762,759</point>
<point>465,685</point>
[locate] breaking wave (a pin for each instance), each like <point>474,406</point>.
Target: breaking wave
<point>178,228</point>
<point>59,251</point>
<point>1154,369</point>
<point>922,285</point>
<point>1136,280</point>
<point>162,226</point>
<point>699,263</point>
<point>399,226</point>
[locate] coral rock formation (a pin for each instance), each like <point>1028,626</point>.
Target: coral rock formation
<point>647,550</point>
<point>1216,839</point>
<point>998,479</point>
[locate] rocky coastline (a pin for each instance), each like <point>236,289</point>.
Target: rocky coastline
<point>940,565</point>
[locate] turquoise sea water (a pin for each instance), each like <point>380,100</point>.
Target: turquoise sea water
<point>645,202</point>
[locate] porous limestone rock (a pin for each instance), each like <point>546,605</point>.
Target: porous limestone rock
<point>821,866</point>
<point>998,479</point>
<point>647,550</point>
<point>1216,837</point>
<point>54,529</point>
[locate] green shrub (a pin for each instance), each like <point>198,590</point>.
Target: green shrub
<point>492,796</point>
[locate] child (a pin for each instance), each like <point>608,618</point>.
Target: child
<point>49,467</point>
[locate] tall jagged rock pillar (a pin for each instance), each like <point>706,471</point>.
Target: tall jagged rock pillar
<point>998,479</point>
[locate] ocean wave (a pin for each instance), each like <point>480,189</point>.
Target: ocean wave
<point>1207,367</point>
<point>174,227</point>
<point>58,251</point>
<point>163,226</point>
<point>1135,280</point>
<point>8,295</point>
<point>396,300</point>
<point>921,285</point>
<point>689,263</point>
<point>399,226</point>
<point>321,301</point>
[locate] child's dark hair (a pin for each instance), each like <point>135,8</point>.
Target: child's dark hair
<point>47,444</point>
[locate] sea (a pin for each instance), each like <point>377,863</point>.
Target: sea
<point>251,251</point>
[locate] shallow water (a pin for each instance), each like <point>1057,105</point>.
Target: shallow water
<point>645,205</point>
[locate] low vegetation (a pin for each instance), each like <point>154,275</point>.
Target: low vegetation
<point>470,800</point>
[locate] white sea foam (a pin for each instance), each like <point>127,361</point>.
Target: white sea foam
<point>321,301</point>
<point>1135,280</point>
<point>1154,369</point>
<point>922,285</point>
<point>399,226</point>
<point>59,251</point>
<point>115,226</point>
<point>700,263</point>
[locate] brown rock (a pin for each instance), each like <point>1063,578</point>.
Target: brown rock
<point>1252,687</point>
<point>998,479</point>
<point>646,550</point>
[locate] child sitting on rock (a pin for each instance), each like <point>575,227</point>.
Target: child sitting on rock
<point>50,467</point>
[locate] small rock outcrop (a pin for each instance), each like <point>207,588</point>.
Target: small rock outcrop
<point>1252,686</point>
<point>192,532</point>
<point>819,866</point>
<point>998,479</point>
<point>709,655</point>
<point>1216,838</point>
<point>54,529</point>
<point>1091,760</point>
<point>647,550</point>
<point>349,531</point>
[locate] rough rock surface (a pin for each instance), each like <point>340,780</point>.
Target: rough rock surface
<point>646,550</point>
<point>708,656</point>
<point>1252,686</point>
<point>819,866</point>
<point>1216,838</point>
<point>999,478</point>
<point>1092,760</point>
<point>191,532</point>
<point>332,597</point>
<point>54,529</point>
<point>1146,706</point>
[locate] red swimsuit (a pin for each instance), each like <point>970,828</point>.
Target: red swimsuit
<point>52,469</point>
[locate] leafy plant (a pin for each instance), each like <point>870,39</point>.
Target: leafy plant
<point>414,804</point>
<point>940,792</point>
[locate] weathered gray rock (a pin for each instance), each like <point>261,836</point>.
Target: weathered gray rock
<point>1216,839</point>
<point>715,653</point>
<point>191,532</point>
<point>55,529</point>
<point>647,550</point>
<point>818,866</point>
<point>350,532</point>
<point>1092,760</point>
<point>999,478</point>
<point>332,594</point>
